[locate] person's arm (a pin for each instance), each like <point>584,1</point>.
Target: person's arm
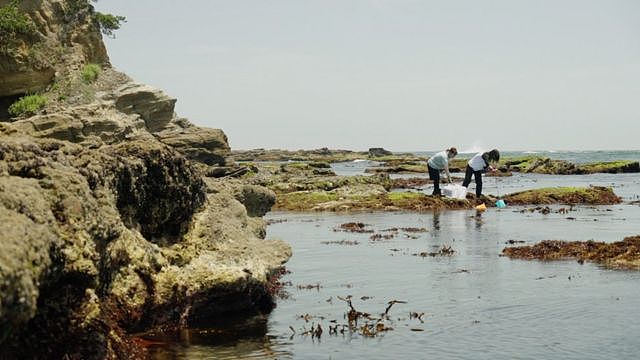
<point>446,171</point>
<point>485,157</point>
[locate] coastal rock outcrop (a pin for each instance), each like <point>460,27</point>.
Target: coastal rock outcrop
<point>28,58</point>
<point>132,232</point>
<point>109,225</point>
<point>152,105</point>
<point>208,146</point>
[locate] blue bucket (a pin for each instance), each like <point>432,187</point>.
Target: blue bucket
<point>501,204</point>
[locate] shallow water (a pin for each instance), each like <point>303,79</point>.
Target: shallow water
<point>477,304</point>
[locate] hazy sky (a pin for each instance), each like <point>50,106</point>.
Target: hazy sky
<point>401,74</point>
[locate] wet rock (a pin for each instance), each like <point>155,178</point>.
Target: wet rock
<point>378,152</point>
<point>256,199</point>
<point>123,238</point>
<point>594,195</point>
<point>411,183</point>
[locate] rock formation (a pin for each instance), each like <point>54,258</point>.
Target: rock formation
<point>109,225</point>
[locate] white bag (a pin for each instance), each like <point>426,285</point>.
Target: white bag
<point>455,191</point>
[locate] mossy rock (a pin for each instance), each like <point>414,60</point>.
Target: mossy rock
<point>614,167</point>
<point>398,169</point>
<point>358,201</point>
<point>595,195</point>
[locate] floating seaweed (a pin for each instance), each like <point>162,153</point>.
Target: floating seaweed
<point>358,322</point>
<point>416,315</point>
<point>377,237</point>
<point>444,250</point>
<point>341,242</point>
<point>276,287</point>
<point>413,229</point>
<point>276,221</point>
<point>309,287</point>
<point>621,254</point>
<point>356,227</point>
<point>511,242</point>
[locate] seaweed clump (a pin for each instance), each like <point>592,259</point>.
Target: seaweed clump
<point>623,254</point>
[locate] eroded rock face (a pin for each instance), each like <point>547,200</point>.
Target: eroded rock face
<point>91,125</point>
<point>99,243</point>
<point>208,146</point>
<point>153,105</point>
<point>30,66</point>
<point>107,224</point>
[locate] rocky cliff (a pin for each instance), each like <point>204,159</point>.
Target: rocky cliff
<point>109,225</point>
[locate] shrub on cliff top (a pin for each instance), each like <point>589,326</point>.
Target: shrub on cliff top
<point>13,24</point>
<point>90,72</point>
<point>27,105</point>
<point>109,23</point>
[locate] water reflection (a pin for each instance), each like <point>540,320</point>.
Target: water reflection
<point>478,219</point>
<point>436,221</point>
<point>248,339</point>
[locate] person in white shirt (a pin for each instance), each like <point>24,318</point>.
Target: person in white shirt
<point>479,164</point>
<point>436,164</point>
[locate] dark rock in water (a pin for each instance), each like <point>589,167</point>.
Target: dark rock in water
<point>378,152</point>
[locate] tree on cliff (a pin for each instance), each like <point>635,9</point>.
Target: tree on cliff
<point>108,23</point>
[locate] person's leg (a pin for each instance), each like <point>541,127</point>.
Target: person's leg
<point>478,176</point>
<point>434,174</point>
<point>467,176</point>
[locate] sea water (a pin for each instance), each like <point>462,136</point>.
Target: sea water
<point>476,303</point>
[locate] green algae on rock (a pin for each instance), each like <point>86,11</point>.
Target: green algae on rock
<point>364,198</point>
<point>542,165</point>
<point>614,167</point>
<point>623,254</point>
<point>593,195</point>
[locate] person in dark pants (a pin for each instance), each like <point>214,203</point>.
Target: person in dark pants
<point>479,164</point>
<point>437,163</point>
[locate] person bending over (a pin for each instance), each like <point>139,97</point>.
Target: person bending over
<point>437,163</point>
<point>479,164</point>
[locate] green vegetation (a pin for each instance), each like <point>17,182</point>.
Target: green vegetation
<point>594,195</point>
<point>356,201</point>
<point>621,166</point>
<point>27,105</point>
<point>13,24</point>
<point>90,73</point>
<point>109,23</point>
<point>304,200</point>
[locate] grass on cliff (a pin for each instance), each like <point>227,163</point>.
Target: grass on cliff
<point>90,73</point>
<point>27,105</point>
<point>13,24</point>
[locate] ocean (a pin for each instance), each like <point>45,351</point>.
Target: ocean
<point>474,303</point>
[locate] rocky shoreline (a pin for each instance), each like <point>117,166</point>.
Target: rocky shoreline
<point>111,226</point>
<point>119,218</point>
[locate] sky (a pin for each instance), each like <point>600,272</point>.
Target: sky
<point>406,75</point>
